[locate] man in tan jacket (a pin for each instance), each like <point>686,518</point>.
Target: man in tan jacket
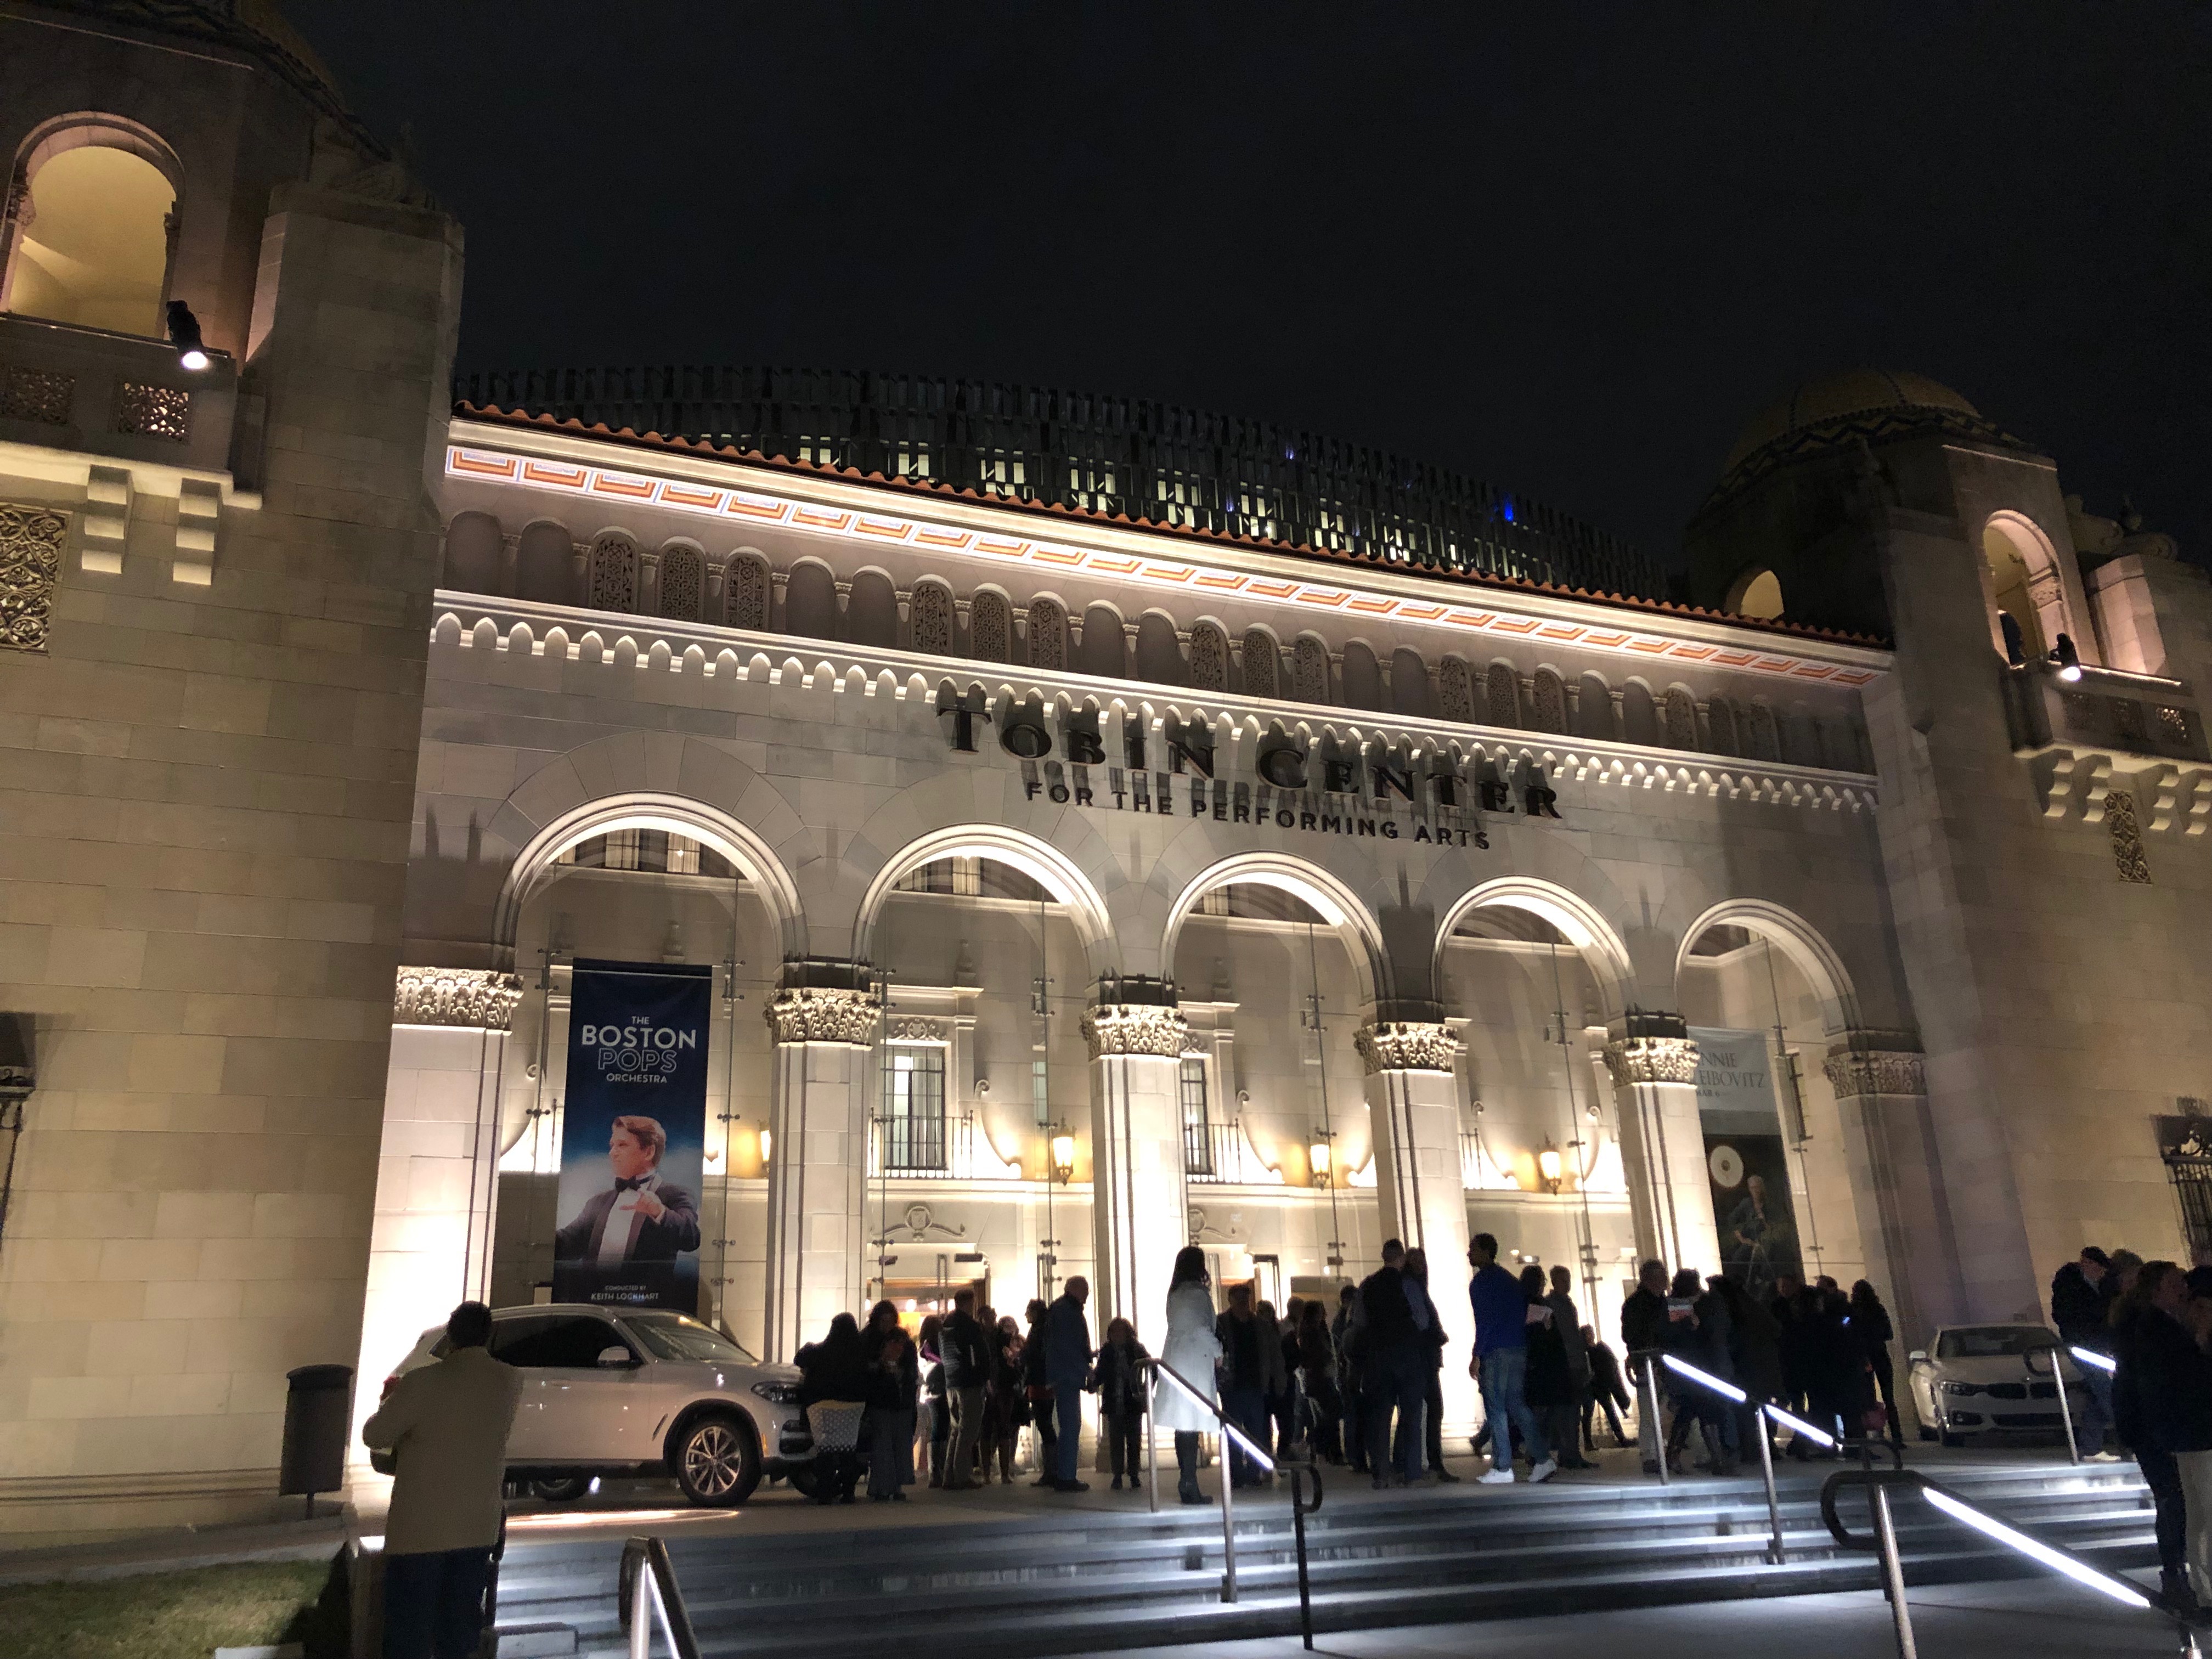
<point>447,1426</point>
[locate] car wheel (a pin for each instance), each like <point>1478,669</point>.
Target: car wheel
<point>715,1462</point>
<point>562,1492</point>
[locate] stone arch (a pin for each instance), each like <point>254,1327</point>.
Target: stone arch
<point>545,563</point>
<point>990,626</point>
<point>93,205</point>
<point>2023,583</point>
<point>1409,683</point>
<point>1347,914</point>
<point>1593,710</point>
<point>1261,662</point>
<point>1159,650</point>
<point>714,822</point>
<point>1046,626</point>
<point>683,581</point>
<point>1810,953</point>
<point>930,617</point>
<point>1581,923</point>
<point>611,572</point>
<point>1309,669</point>
<point>1105,648</point>
<point>474,542</point>
<point>872,611</point>
<point>745,589</point>
<point>1547,701</point>
<point>1209,657</point>
<point>1756,592</point>
<point>1502,695</point>
<point>809,600</point>
<point>1639,715</point>
<point>1362,677</point>
<point>1035,858</point>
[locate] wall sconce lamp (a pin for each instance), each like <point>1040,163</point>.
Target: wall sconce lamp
<point>1548,1165</point>
<point>1063,1157</point>
<point>2066,659</point>
<point>185,335</point>
<point>1319,1158</point>
<point>768,1137</point>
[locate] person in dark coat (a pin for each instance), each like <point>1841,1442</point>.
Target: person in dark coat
<point>1838,1390</point>
<point>1067,1357</point>
<point>1347,1334</point>
<point>1607,1391</point>
<point>2149,1314</point>
<point>1394,1377</point>
<point>1119,1381</point>
<point>2168,1393</point>
<point>1566,1422</point>
<point>1005,1406</point>
<point>894,1387</point>
<point>1251,1364</point>
<point>2082,1295</point>
<point>1643,1332</point>
<point>1548,1385</point>
<point>1432,1399</point>
<point>1039,1395</point>
<point>835,1370</point>
<point>938,1410</point>
<point>1316,1350</point>
<point>1872,1326</point>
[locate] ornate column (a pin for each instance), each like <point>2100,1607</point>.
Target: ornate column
<point>1889,1142</point>
<point>1139,1216</point>
<point>825,1021</point>
<point>1655,1079</point>
<point>437,1177</point>
<point>1413,1103</point>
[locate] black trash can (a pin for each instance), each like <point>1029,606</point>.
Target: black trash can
<point>315,1412</point>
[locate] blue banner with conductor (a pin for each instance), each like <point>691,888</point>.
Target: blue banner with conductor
<point>634,1131</point>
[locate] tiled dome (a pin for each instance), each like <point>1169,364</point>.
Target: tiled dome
<point>1857,396</point>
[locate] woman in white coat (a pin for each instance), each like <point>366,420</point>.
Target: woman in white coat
<point>1190,1352</point>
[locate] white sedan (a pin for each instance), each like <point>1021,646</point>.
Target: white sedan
<point>621,1393</point>
<point>1980,1379</point>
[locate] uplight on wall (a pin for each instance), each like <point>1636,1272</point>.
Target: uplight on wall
<point>1319,1160</point>
<point>1549,1166</point>
<point>2066,659</point>
<point>1063,1157</point>
<point>768,1137</point>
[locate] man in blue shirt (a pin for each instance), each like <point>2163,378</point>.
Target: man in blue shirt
<point>1501,1364</point>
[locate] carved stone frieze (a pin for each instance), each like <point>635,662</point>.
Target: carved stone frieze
<point>915,1029</point>
<point>824,1014</point>
<point>1652,1060</point>
<point>474,998</point>
<point>1126,1028</point>
<point>30,565</point>
<point>1854,1073</point>
<point>1407,1046</point>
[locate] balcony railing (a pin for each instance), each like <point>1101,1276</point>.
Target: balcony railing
<point>1218,1155</point>
<point>933,1146</point>
<point>2105,709</point>
<point>119,395</point>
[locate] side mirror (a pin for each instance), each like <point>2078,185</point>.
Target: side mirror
<point>1917,1357</point>
<point>613,1356</point>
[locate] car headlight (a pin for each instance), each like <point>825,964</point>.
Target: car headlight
<point>780,1393</point>
<point>1961,1388</point>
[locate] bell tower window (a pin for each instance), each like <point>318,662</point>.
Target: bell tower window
<point>91,232</point>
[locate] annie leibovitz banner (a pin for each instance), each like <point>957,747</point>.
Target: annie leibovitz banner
<point>1747,1160</point>
<point>632,1135</point>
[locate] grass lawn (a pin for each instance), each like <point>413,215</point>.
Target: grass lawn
<point>180,1615</point>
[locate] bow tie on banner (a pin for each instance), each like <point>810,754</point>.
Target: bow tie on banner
<point>636,1183</point>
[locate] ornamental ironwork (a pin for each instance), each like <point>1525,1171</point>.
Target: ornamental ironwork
<point>152,412</point>
<point>35,395</point>
<point>475,998</point>
<point>30,567</point>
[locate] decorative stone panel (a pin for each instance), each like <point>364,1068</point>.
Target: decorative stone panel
<point>1652,1060</point>
<point>1855,1073</point>
<point>34,395</point>
<point>2127,834</point>
<point>1124,1028</point>
<point>1209,658</point>
<point>990,625</point>
<point>152,412</point>
<point>30,566</point>
<point>1502,695</point>
<point>1406,1046</point>
<point>1456,690</point>
<point>683,584</point>
<point>1263,670</point>
<point>1047,634</point>
<point>1310,669</point>
<point>932,618</point>
<point>744,604</point>
<point>917,1031</point>
<point>611,581</point>
<point>824,1014</point>
<point>471,997</point>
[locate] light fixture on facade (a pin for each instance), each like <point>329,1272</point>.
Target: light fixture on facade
<point>2066,659</point>
<point>1548,1165</point>
<point>185,335</point>
<point>1063,1157</point>
<point>1318,1158</point>
<point>767,1137</point>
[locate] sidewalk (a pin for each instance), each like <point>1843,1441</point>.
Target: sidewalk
<point>2040,1619</point>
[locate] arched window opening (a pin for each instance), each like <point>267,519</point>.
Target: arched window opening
<point>1159,652</point>
<point>1681,716</point>
<point>1504,695</point>
<point>1310,669</point>
<point>2025,589</point>
<point>612,579</point>
<point>1756,593</point>
<point>683,583</point>
<point>1047,625</point>
<point>744,598</point>
<point>94,228</point>
<point>1363,676</point>
<point>1104,647</point>
<point>1455,689</point>
<point>932,618</point>
<point>990,623</point>
<point>1209,658</point>
<point>872,611</point>
<point>1550,710</point>
<point>1263,671</point>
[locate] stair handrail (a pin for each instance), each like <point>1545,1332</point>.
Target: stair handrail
<point>1776,1552</point>
<point>2055,1348</point>
<point>1307,1470</point>
<point>1153,1371</point>
<point>649,1593</point>
<point>1946,1502</point>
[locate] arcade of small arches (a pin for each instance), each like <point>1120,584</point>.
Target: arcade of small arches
<point>680,581</point>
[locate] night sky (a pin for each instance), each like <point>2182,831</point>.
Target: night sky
<point>1572,254</point>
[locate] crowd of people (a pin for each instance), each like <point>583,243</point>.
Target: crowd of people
<point>2153,1321</point>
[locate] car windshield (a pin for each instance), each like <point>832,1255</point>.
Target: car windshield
<point>671,1336</point>
<point>1991,1342</point>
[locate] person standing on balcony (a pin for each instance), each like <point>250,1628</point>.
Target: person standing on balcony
<point>1192,1350</point>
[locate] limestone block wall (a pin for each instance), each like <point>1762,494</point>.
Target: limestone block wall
<point>203,809</point>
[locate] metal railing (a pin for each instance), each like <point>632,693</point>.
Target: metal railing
<point>649,1595</point>
<point>1880,1483</point>
<point>1767,1411</point>
<point>1155,1371</point>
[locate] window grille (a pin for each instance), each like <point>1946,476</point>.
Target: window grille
<point>1197,1138</point>
<point>913,1110</point>
<point>2188,1155</point>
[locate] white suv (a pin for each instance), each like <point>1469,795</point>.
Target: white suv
<point>619,1393</point>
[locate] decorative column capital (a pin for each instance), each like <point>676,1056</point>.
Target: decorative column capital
<point>1402,1045</point>
<point>1652,1060</point>
<point>823,1014</point>
<point>1858,1067</point>
<point>481,999</point>
<point>1135,1028</point>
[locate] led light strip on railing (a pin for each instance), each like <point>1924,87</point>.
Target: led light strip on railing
<point>1227,1427</point>
<point>2104,1362</point>
<point>1729,1391</point>
<point>2079,1572</point>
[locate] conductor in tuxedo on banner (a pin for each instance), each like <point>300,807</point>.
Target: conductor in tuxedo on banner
<point>643,1217</point>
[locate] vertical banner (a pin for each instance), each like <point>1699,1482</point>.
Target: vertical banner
<point>632,1135</point>
<point>1746,1161</point>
